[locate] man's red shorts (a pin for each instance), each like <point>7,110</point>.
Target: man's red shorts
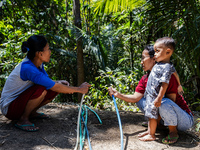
<point>17,107</point>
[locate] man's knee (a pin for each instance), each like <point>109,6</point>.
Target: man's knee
<point>44,93</point>
<point>38,91</point>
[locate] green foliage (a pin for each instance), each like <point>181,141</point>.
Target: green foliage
<point>109,6</point>
<point>10,50</point>
<point>198,125</point>
<point>124,81</point>
<point>110,38</point>
<point>196,104</point>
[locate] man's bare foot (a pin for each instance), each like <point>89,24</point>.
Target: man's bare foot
<point>143,134</point>
<point>26,125</point>
<point>148,137</point>
<point>37,115</point>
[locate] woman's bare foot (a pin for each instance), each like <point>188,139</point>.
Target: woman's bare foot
<point>148,137</point>
<point>143,134</point>
<point>171,138</point>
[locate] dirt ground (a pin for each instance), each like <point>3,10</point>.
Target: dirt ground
<point>59,132</point>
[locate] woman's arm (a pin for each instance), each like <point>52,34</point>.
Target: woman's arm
<point>127,98</point>
<point>62,88</point>
<point>180,89</point>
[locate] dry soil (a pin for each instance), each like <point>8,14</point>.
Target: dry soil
<point>59,132</point>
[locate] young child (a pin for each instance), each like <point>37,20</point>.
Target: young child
<point>157,84</point>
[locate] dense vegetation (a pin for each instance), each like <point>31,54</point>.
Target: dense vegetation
<point>109,35</point>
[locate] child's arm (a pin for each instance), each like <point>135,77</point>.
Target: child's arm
<point>163,89</point>
<point>180,89</point>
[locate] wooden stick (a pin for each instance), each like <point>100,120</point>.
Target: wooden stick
<point>4,136</point>
<point>49,143</point>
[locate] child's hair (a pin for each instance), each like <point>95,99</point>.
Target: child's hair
<point>150,50</point>
<point>33,44</point>
<point>168,42</point>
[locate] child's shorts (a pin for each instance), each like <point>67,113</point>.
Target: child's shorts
<point>150,110</point>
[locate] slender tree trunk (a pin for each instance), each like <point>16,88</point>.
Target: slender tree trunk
<point>131,41</point>
<point>66,23</point>
<point>88,18</point>
<point>80,62</point>
<point>66,3</point>
<point>198,79</point>
<point>1,12</point>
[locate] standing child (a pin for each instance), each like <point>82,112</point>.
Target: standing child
<point>157,83</point>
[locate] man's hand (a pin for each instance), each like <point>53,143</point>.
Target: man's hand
<point>84,87</point>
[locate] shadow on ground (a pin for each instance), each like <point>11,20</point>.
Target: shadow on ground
<point>59,132</point>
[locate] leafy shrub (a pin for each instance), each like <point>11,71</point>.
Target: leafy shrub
<point>123,81</point>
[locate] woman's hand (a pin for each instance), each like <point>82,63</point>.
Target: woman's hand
<point>127,98</point>
<point>180,90</point>
<point>113,91</point>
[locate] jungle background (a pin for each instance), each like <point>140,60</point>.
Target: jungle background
<point>101,41</point>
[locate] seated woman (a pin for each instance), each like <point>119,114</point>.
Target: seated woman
<point>173,111</point>
<point>29,87</point>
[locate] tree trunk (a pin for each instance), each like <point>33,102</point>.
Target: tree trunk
<point>80,62</point>
<point>88,18</point>
<point>1,12</point>
<point>66,3</point>
<point>198,80</point>
<point>131,41</point>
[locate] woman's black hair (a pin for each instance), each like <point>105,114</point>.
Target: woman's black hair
<point>150,49</point>
<point>33,44</point>
<point>151,52</point>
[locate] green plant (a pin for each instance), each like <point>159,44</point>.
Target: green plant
<point>198,125</point>
<point>124,81</point>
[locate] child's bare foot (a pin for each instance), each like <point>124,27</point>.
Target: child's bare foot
<point>148,137</point>
<point>143,134</point>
